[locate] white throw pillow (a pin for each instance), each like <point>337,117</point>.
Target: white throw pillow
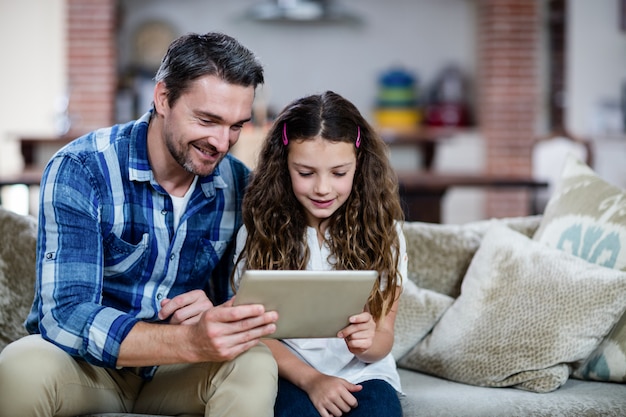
<point>525,313</point>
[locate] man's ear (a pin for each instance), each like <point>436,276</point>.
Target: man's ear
<point>160,98</point>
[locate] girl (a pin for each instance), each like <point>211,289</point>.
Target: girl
<point>324,196</point>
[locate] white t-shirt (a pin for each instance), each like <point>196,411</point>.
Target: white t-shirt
<point>180,203</point>
<point>331,355</point>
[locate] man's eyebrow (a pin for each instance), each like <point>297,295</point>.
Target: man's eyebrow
<point>219,118</point>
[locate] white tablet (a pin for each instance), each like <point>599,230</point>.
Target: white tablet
<point>310,304</point>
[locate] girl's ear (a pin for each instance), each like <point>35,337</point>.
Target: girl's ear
<point>160,98</point>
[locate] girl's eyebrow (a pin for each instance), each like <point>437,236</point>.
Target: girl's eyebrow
<point>300,165</point>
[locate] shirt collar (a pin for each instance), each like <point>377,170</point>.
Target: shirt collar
<point>138,165</point>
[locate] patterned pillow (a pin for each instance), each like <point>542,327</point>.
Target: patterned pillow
<point>418,311</point>
<point>524,314</point>
<point>586,217</point>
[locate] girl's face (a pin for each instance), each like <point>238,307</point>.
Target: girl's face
<point>321,174</point>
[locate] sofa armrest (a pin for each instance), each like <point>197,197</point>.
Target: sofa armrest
<point>17,273</point>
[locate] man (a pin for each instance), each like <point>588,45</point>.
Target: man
<point>135,230</point>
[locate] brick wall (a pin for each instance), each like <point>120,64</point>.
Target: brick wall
<point>92,63</point>
<point>509,90</point>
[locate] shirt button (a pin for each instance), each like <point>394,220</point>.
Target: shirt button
<point>172,256</point>
<point>164,212</point>
<point>159,296</point>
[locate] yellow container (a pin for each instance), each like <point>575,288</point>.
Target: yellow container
<point>397,118</point>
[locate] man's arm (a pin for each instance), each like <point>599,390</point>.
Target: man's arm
<point>220,334</point>
<point>70,266</point>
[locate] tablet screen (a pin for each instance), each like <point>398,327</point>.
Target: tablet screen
<point>310,304</point>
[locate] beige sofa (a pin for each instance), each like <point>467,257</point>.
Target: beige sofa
<point>439,259</point>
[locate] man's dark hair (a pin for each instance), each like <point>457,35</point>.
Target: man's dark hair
<point>193,55</point>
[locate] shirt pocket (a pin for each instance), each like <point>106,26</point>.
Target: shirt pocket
<point>208,256</point>
<point>125,259</point>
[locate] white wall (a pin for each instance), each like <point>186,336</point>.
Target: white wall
<point>596,64</point>
<point>596,82</point>
<point>32,82</point>
<point>32,74</point>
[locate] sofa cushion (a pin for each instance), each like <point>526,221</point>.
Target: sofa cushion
<point>439,254</point>
<point>426,395</point>
<point>525,312</point>
<point>17,273</point>
<point>418,311</point>
<point>586,216</point>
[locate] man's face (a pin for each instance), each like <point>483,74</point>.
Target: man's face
<point>205,122</point>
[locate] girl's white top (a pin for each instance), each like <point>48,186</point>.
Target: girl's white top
<point>331,355</point>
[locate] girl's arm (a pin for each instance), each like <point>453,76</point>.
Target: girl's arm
<point>366,340</point>
<point>331,396</point>
<point>290,366</point>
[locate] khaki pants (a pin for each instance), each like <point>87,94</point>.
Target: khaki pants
<point>38,379</point>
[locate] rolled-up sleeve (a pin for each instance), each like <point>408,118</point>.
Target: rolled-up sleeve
<point>70,267</point>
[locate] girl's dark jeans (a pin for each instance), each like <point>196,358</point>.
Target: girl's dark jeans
<point>376,399</point>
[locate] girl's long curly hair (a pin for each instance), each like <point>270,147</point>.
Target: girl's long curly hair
<point>362,232</point>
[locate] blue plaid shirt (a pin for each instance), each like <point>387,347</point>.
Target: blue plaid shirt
<point>107,251</point>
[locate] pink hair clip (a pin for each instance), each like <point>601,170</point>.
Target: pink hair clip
<point>285,140</point>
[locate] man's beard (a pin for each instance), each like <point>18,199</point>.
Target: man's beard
<point>181,156</point>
